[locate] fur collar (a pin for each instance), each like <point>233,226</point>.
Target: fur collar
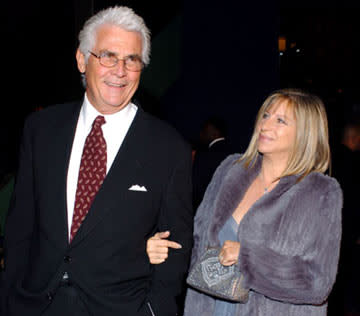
<point>233,188</point>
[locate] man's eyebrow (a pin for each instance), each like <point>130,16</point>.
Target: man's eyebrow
<point>107,52</point>
<point>133,55</point>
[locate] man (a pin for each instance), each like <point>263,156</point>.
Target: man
<point>213,149</point>
<point>96,180</point>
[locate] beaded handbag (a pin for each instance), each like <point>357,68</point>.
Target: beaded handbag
<point>208,275</point>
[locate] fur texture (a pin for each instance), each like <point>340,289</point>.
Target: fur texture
<point>290,241</point>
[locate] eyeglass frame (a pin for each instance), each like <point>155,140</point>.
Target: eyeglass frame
<point>117,60</point>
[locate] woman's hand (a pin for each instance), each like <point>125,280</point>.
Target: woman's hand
<point>229,253</point>
<point>157,247</point>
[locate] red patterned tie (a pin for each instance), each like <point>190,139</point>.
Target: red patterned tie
<point>92,173</point>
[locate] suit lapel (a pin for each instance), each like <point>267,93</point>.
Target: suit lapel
<point>126,166</point>
<point>59,152</point>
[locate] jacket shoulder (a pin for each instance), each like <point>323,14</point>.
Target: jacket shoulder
<point>320,183</point>
<point>161,133</point>
<point>227,164</point>
<point>52,114</point>
<point>322,192</point>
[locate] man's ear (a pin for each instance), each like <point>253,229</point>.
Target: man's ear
<point>80,58</point>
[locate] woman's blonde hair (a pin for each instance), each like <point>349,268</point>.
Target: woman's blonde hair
<point>311,151</point>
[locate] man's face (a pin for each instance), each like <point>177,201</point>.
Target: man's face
<point>109,90</point>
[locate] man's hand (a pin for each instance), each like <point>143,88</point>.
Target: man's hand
<point>157,247</point>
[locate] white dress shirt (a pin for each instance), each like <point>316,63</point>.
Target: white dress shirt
<point>114,131</point>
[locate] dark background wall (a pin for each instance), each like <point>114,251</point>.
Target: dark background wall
<point>209,58</point>
<point>230,62</point>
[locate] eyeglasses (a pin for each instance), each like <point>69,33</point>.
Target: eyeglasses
<point>109,59</point>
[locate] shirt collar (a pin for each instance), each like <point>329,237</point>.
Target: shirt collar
<point>215,141</point>
<point>89,113</point>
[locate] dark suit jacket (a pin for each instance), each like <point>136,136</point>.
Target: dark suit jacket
<point>106,262</point>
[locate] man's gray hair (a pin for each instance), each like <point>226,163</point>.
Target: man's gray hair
<point>121,16</point>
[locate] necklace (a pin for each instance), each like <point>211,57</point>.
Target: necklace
<point>264,187</point>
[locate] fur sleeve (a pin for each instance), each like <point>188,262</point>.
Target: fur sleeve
<point>205,210</point>
<point>305,272</point>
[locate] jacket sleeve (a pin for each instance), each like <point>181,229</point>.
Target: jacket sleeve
<point>306,275</point>
<point>20,220</point>
<point>176,215</point>
<point>204,213</point>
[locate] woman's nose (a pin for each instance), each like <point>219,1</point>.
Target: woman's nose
<point>266,123</point>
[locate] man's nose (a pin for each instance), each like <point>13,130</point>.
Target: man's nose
<point>120,69</point>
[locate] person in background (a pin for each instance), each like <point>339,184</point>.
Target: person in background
<point>344,300</point>
<point>214,147</point>
<point>275,214</point>
<point>351,136</point>
<point>96,179</point>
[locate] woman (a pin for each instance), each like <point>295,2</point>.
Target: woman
<point>283,215</point>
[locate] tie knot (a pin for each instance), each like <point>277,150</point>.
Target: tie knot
<point>100,120</point>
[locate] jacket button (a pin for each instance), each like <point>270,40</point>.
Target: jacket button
<point>49,296</point>
<point>67,259</point>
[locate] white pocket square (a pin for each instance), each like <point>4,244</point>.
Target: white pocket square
<point>137,187</point>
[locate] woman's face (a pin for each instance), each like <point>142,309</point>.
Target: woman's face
<point>277,130</point>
